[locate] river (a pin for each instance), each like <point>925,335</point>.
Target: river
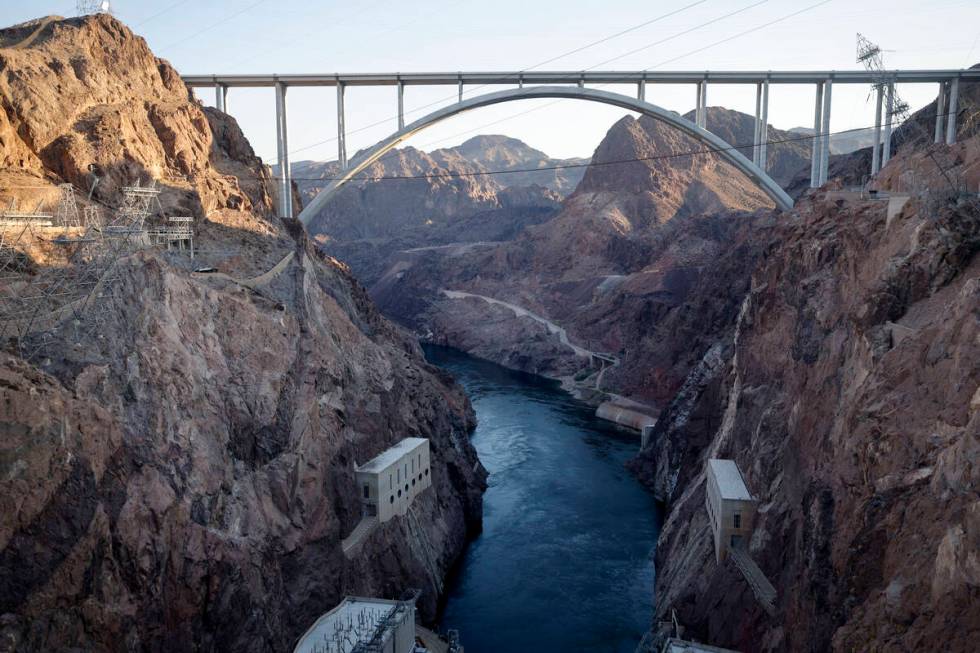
<point>564,560</point>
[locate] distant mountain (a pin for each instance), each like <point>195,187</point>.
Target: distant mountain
<point>496,152</point>
<point>786,153</point>
<point>433,201</point>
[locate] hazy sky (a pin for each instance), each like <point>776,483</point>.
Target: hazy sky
<point>325,36</point>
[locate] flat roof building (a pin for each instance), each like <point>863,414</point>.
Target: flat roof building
<point>362,625</point>
<point>731,508</point>
<point>390,482</point>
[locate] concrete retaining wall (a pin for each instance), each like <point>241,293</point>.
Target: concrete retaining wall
<point>623,416</point>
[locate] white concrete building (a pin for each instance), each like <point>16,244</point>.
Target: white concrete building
<point>360,624</point>
<point>731,508</point>
<point>390,482</point>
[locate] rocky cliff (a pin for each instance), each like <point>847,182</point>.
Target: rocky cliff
<point>625,249</point>
<point>787,152</point>
<point>845,387</point>
<point>179,476</point>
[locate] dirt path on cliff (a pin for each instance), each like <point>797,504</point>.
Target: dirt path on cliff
<point>520,311</point>
<point>33,35</point>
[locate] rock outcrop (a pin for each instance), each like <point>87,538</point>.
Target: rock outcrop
<point>846,389</point>
<point>180,476</point>
<point>436,198</point>
<point>787,152</point>
<point>626,247</point>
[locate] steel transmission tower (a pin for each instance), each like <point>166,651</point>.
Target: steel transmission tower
<point>86,7</point>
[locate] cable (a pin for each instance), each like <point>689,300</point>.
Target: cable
<point>565,166</point>
<point>274,45</point>
<point>748,31</point>
<point>472,89</point>
<point>160,13</point>
<point>662,63</point>
<point>211,27</point>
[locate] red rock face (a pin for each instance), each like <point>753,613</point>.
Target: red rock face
<point>847,393</point>
<point>86,92</point>
<point>627,246</point>
<point>180,476</point>
<point>437,209</point>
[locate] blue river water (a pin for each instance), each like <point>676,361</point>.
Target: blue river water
<point>564,562</point>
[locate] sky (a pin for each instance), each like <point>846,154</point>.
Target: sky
<point>326,36</point>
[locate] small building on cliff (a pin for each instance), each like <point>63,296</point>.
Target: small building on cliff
<point>731,508</point>
<point>390,482</point>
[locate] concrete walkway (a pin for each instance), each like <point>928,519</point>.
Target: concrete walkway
<point>764,592</point>
<point>433,642</point>
<point>352,543</point>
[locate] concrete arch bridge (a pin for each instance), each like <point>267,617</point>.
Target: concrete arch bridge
<point>571,85</point>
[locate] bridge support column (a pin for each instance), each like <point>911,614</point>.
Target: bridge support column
<point>825,132</point>
<point>401,105</point>
<point>940,112</point>
<point>816,144</point>
<point>221,98</point>
<point>954,97</point>
<point>641,91</point>
<point>886,153</point>
<point>700,114</point>
<point>764,127</point>
<point>282,141</point>
<point>459,86</point>
<point>876,151</point>
<point>341,129</point>
<point>758,121</point>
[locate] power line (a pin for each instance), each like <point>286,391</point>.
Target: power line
<point>565,166</point>
<point>662,63</point>
<point>476,88</point>
<point>748,31</point>
<point>212,26</point>
<point>160,13</point>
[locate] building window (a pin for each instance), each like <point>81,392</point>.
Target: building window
<point>399,494</point>
<point>413,465</point>
<point>391,484</point>
<point>399,475</point>
<point>427,472</point>
<point>737,519</point>
<point>406,487</point>
<point>367,491</point>
<point>420,476</point>
<point>391,499</point>
<point>413,482</point>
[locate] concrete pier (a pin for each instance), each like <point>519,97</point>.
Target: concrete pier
<point>282,142</point>
<point>764,127</point>
<point>940,114</point>
<point>815,143</point>
<point>401,106</point>
<point>221,97</point>
<point>954,97</point>
<point>825,132</point>
<point>876,152</point>
<point>758,124</point>
<point>341,129</point>
<point>889,115</point>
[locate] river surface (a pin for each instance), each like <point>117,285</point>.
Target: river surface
<point>564,561</point>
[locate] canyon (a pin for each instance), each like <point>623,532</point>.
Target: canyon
<point>169,480</point>
<point>177,465</point>
<point>832,352</point>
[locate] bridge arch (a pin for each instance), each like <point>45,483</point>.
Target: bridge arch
<point>733,156</point>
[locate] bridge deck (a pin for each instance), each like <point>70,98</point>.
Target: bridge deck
<point>587,77</point>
